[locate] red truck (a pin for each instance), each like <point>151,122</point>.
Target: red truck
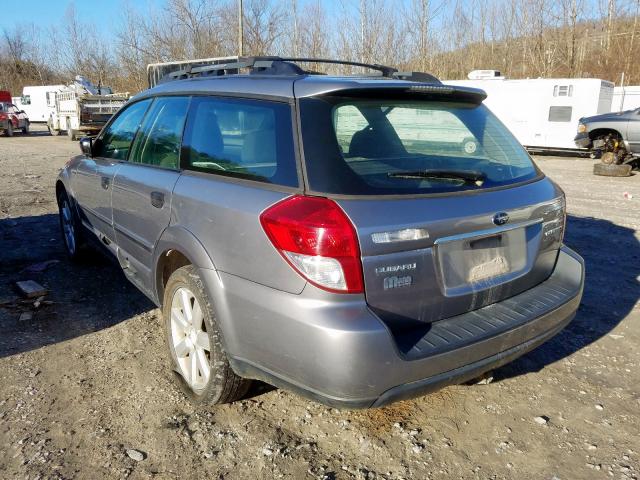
<point>11,117</point>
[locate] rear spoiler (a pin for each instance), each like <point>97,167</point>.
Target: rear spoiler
<point>412,90</point>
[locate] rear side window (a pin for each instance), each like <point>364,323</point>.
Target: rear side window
<point>160,136</point>
<point>115,141</point>
<point>404,146</point>
<point>251,139</point>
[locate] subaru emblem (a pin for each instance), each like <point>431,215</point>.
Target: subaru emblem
<point>501,218</point>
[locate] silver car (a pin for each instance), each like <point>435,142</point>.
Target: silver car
<point>356,239</point>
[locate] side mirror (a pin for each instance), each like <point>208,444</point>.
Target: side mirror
<point>86,146</point>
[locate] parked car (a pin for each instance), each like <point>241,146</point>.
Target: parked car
<point>12,119</point>
<point>615,138</point>
<point>354,269</point>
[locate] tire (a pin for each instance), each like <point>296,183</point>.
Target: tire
<point>25,129</point>
<point>195,346</point>
<point>52,131</point>
<point>70,228</point>
<point>611,170</point>
<point>9,131</point>
<point>71,133</point>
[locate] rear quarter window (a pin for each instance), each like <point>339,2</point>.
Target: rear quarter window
<point>242,138</point>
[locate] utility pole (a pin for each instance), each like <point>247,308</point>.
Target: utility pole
<point>240,29</point>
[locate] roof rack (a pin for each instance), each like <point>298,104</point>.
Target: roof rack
<point>273,65</point>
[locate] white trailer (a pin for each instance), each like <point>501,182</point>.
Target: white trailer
<point>542,113</point>
<point>37,101</point>
<point>81,108</point>
<point>626,98</point>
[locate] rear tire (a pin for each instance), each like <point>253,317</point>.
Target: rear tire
<point>611,170</point>
<point>9,131</point>
<point>25,129</point>
<point>195,341</point>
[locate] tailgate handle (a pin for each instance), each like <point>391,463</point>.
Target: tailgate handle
<point>157,199</point>
<point>487,242</point>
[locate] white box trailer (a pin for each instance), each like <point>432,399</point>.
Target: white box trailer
<point>626,98</point>
<point>37,101</point>
<point>542,113</point>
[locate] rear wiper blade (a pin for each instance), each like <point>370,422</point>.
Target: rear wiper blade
<point>468,176</point>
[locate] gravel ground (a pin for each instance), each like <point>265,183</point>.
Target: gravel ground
<point>85,390</point>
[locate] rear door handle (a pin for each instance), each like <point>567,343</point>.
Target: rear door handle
<point>157,199</point>
<point>105,181</point>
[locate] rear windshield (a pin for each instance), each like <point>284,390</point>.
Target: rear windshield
<point>395,147</point>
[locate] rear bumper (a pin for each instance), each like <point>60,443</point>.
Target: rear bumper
<point>582,140</point>
<point>341,354</point>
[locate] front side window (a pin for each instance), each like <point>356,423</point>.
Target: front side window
<point>159,140</point>
<point>394,147</point>
<point>250,139</point>
<point>115,141</point>
<point>26,100</point>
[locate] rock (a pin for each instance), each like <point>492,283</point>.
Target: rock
<point>267,452</point>
<point>599,406</point>
<point>136,455</point>
<point>31,289</point>
<point>541,420</point>
<point>25,316</point>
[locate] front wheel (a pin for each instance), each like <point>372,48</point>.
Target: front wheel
<point>70,227</point>
<point>194,341</point>
<point>25,129</point>
<point>9,131</point>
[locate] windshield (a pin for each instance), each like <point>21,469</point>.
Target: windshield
<point>395,147</point>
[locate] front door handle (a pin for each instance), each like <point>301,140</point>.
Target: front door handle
<point>105,181</point>
<point>157,199</point>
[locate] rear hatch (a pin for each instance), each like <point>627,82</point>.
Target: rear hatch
<point>450,211</point>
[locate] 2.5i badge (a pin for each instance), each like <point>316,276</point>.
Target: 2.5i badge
<point>396,281</point>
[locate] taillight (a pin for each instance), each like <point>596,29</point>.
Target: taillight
<point>318,240</point>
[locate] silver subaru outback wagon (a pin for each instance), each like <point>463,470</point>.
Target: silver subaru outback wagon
<point>356,239</point>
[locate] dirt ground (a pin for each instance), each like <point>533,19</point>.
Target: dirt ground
<point>84,378</point>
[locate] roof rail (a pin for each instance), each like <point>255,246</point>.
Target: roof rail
<point>273,65</point>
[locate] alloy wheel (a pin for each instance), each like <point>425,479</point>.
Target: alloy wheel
<point>68,228</point>
<point>189,339</point>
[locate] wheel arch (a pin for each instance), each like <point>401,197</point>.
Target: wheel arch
<point>176,248</point>
<point>601,131</point>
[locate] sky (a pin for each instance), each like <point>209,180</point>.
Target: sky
<point>103,13</point>
<point>44,13</point>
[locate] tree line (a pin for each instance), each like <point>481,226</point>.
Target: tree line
<point>449,38</point>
